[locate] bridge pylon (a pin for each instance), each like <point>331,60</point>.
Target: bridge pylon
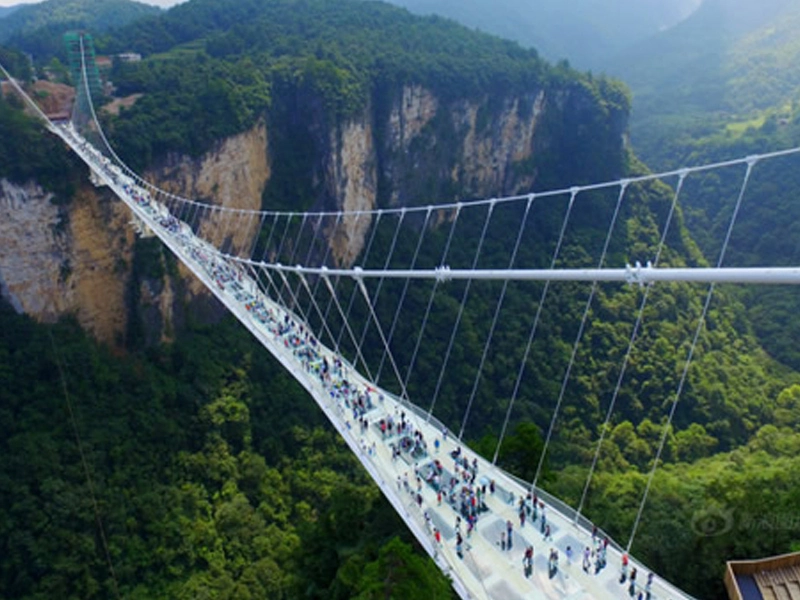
<point>85,77</point>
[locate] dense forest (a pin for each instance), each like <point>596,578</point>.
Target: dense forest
<point>38,28</point>
<point>730,91</point>
<point>198,469</point>
<point>204,469</point>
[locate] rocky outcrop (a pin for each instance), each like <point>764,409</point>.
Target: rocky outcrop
<point>414,148</point>
<point>232,175</point>
<point>410,114</point>
<point>354,183</point>
<point>490,151</point>
<point>55,261</point>
<point>31,252</point>
<point>428,151</point>
<point>78,258</point>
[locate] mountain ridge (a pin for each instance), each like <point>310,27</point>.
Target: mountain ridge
<point>336,122</point>
<point>552,27</point>
<point>702,73</point>
<point>37,28</point>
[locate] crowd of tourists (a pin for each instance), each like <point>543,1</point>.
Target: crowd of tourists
<point>459,487</point>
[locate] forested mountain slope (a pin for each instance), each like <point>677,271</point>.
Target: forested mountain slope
<point>730,61</point>
<point>7,10</point>
<point>412,110</point>
<point>211,470</point>
<point>586,33</point>
<point>726,83</point>
<point>38,28</point>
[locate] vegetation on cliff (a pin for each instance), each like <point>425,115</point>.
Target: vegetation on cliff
<point>37,29</point>
<point>216,66</point>
<point>35,155</point>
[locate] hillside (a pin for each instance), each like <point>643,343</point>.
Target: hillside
<point>7,10</point>
<point>552,27</point>
<point>730,61</point>
<point>38,28</point>
<point>213,473</point>
<point>727,83</point>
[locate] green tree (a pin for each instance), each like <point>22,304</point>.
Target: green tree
<point>399,573</point>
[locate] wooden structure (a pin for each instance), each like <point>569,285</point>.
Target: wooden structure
<point>774,578</point>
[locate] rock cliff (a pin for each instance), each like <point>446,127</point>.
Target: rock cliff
<point>409,147</point>
<point>421,149</point>
<point>56,261</point>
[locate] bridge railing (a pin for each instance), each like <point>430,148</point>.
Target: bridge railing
<point>581,522</point>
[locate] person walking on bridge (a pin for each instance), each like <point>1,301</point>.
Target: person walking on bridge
<point>624,572</point>
<point>527,561</point>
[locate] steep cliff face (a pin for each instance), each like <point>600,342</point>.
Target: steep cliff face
<point>232,175</point>
<point>410,147</point>
<point>79,258</point>
<point>353,182</point>
<point>421,149</point>
<point>55,260</point>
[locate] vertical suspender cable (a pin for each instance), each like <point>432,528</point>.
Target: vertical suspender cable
<point>316,306</point>
<point>405,291</point>
<point>386,263</point>
<point>313,291</point>
<point>622,188</point>
<point>315,234</point>
<point>291,260</point>
<point>388,350</point>
<point>347,327</point>
<point>460,313</point>
<point>700,326</point>
<point>330,300</point>
<point>299,312</point>
<point>631,342</point>
<point>496,315</point>
<point>269,239</point>
<point>430,300</point>
<point>350,303</point>
<point>573,193</point>
<point>251,252</point>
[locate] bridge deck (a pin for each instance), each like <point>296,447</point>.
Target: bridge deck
<point>484,570</point>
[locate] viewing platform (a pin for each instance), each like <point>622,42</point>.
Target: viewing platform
<point>774,578</point>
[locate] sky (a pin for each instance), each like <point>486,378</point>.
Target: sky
<point>161,3</point>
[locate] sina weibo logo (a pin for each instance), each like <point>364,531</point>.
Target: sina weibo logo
<point>712,521</point>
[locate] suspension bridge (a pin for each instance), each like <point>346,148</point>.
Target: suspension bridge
<point>282,276</point>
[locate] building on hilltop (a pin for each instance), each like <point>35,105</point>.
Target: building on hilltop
<point>129,57</point>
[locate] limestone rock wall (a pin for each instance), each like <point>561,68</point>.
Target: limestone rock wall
<point>57,260</point>
<point>415,148</point>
